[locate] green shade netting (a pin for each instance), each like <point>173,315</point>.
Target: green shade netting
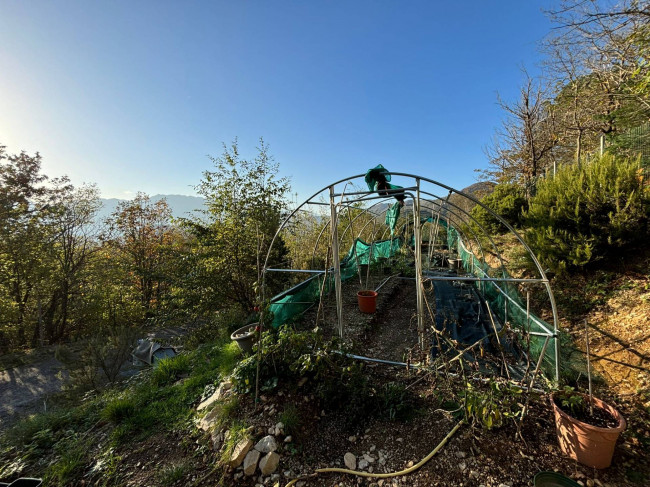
<point>289,304</point>
<point>506,302</point>
<point>364,253</point>
<point>392,215</point>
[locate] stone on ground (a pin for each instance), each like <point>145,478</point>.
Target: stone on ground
<point>209,421</point>
<point>267,444</point>
<point>350,461</point>
<point>239,453</point>
<point>269,463</point>
<point>250,462</point>
<point>218,394</point>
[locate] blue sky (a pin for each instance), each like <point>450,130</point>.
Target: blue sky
<point>133,95</point>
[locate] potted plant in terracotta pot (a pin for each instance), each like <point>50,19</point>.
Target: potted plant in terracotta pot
<point>587,428</point>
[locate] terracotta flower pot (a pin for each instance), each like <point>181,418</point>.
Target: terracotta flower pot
<point>367,301</point>
<point>590,445</point>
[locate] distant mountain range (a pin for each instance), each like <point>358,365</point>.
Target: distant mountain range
<point>182,206</point>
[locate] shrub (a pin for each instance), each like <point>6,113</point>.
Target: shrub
<point>508,201</point>
<point>587,212</point>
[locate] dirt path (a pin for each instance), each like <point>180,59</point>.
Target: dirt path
<point>25,389</point>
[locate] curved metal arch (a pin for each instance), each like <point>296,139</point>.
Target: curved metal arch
<point>512,230</point>
<point>484,230</point>
<point>460,193</point>
<point>328,224</point>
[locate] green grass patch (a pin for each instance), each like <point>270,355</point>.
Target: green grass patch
<point>119,410</point>
<point>170,369</point>
<point>53,445</point>
<point>71,459</point>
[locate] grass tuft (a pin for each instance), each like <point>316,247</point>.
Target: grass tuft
<point>119,410</point>
<point>171,474</point>
<point>170,369</point>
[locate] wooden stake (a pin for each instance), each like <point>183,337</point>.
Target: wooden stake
<point>591,397</point>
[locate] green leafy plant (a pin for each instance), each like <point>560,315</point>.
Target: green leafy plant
<point>170,369</point>
<point>572,401</point>
<point>490,407</point>
<point>395,401</point>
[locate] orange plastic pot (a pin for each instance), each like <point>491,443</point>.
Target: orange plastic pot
<point>590,445</point>
<point>367,301</point>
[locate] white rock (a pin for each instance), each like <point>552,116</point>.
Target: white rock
<point>269,463</point>
<point>267,444</point>
<point>399,440</point>
<point>368,458</point>
<point>218,394</point>
<point>409,464</point>
<point>460,454</point>
<point>363,464</point>
<point>352,439</point>
<point>350,461</point>
<point>250,462</point>
<point>271,430</point>
<point>373,448</point>
<point>288,439</point>
<point>239,453</point>
<point>474,474</point>
<point>209,420</point>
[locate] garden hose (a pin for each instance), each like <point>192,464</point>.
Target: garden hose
<point>391,474</point>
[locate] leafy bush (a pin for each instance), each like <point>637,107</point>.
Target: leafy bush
<point>339,383</point>
<point>588,212</point>
<point>100,359</point>
<point>508,201</point>
<point>490,407</point>
<point>395,402</point>
<point>287,354</point>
